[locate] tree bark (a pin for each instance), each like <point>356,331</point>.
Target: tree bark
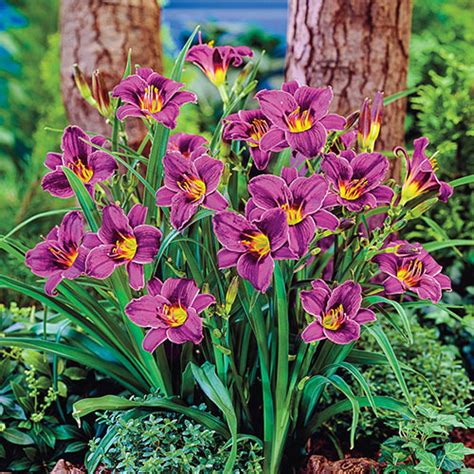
<point>97,34</point>
<point>356,46</point>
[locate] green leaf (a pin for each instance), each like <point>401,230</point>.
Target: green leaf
<point>399,95</point>
<point>84,198</point>
<point>462,181</point>
<point>427,463</point>
<point>443,244</point>
<point>216,391</point>
<point>67,351</point>
<point>113,402</point>
<point>15,436</point>
<point>457,451</point>
<point>382,340</point>
<point>398,308</point>
<point>385,403</point>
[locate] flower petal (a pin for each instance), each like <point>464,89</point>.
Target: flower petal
<point>268,191</point>
<point>115,225</point>
<point>257,271</point>
<point>136,275</point>
<point>57,184</point>
<point>143,312</point>
<point>180,290</point>
<point>99,264</point>
<point>300,236</point>
<point>148,242</point>
<point>74,144</point>
<point>153,338</point>
<point>349,294</point>
<point>103,166</point>
<point>365,316</point>
<point>227,258</point>
<point>348,332</point>
<point>313,332</point>
<point>201,302</point>
<point>210,171</point>
<point>190,331</point>
<point>228,227</point>
<point>215,201</point>
<point>137,215</point>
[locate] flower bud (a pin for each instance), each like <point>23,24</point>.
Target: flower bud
<point>370,120</point>
<point>82,85</point>
<point>101,94</point>
<point>231,294</point>
<point>407,250</point>
<point>421,208</point>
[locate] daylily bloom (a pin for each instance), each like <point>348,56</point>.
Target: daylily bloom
<point>338,314</point>
<point>301,199</point>
<point>370,121</point>
<point>90,165</point>
<point>214,61</point>
<point>123,240</point>
<point>149,95</point>
<point>252,247</point>
<point>61,254</point>
<point>171,310</point>
<point>409,267</point>
<point>421,174</point>
<point>356,179</point>
<point>189,184</point>
<point>190,146</point>
<point>300,118</point>
<point>249,126</point>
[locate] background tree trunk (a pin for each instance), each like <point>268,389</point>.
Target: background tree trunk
<point>357,47</point>
<point>97,34</point>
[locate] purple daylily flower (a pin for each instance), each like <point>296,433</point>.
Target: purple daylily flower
<point>409,267</point>
<point>171,309</point>
<point>189,184</point>
<point>123,240</point>
<point>249,126</point>
<point>190,146</point>
<point>421,174</point>
<point>356,179</point>
<point>300,118</point>
<point>214,61</point>
<point>338,314</point>
<point>252,247</point>
<point>62,254</point>
<point>147,94</point>
<point>302,200</point>
<point>91,166</point>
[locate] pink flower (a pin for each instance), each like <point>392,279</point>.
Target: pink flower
<point>171,309</point>
<point>338,313</point>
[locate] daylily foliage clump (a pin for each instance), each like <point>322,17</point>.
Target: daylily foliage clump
<point>239,270</point>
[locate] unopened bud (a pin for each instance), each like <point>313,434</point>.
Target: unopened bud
<point>407,250</point>
<point>351,120</point>
<point>399,225</point>
<point>231,294</point>
<point>101,94</point>
<point>370,121</point>
<point>421,208</point>
<point>82,86</point>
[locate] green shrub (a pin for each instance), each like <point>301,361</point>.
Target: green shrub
<point>169,442</point>
<point>36,396</point>
<point>440,395</point>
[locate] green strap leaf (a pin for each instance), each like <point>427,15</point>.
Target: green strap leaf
<point>215,390</point>
<point>84,198</point>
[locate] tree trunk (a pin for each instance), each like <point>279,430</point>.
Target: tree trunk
<point>97,34</point>
<point>356,46</point>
